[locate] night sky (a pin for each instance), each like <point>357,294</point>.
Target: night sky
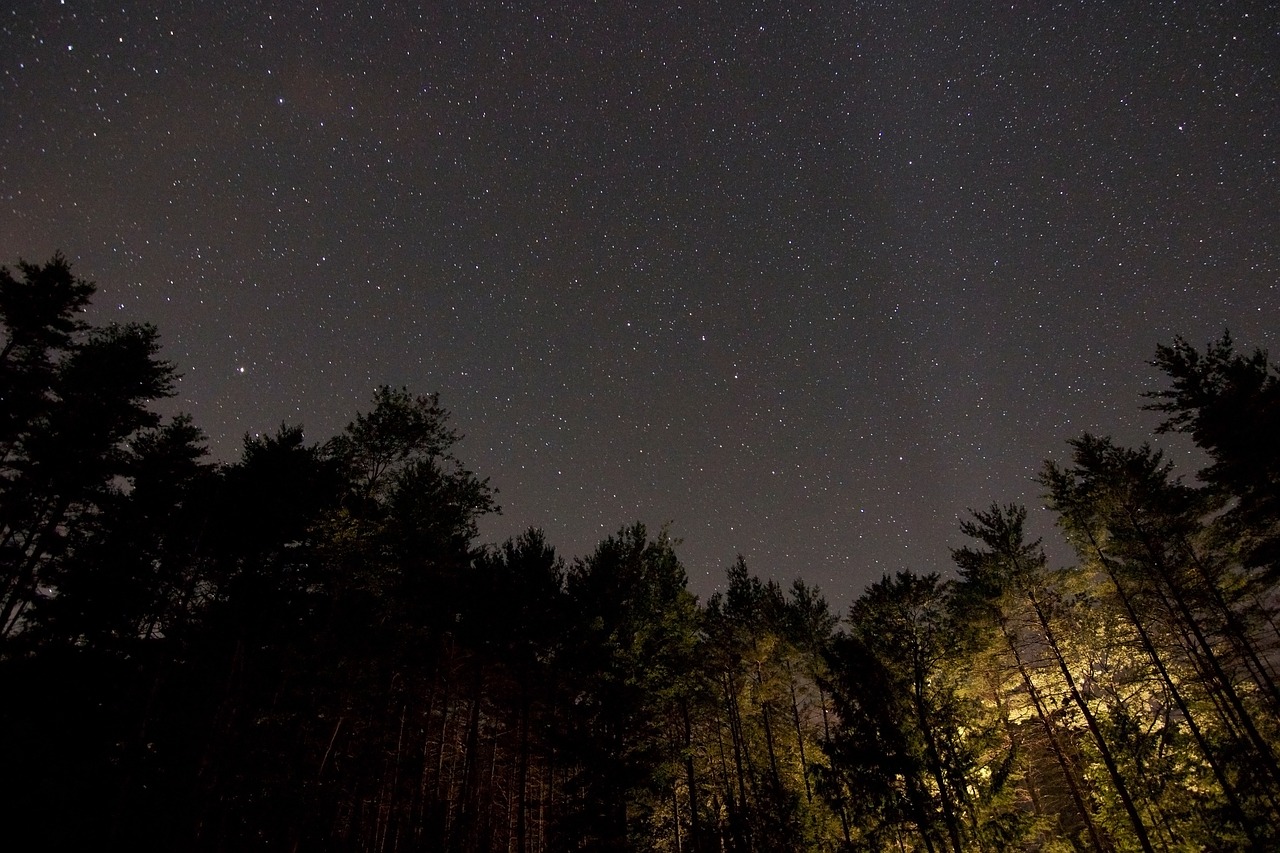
<point>806,280</point>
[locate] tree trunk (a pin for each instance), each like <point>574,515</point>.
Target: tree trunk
<point>1108,759</point>
<point>1068,772</point>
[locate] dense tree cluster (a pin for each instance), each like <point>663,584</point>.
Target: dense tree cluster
<point>308,649</point>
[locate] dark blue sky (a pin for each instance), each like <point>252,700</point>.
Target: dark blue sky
<point>805,280</point>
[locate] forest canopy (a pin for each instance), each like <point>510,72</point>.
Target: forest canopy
<point>310,648</point>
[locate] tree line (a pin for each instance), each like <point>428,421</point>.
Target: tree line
<point>309,649</point>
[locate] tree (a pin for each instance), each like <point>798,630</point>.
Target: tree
<point>374,574</point>
<point>66,461</point>
<point>632,645</point>
<point>1009,575</point>
<point>1146,534</point>
<point>516,610</point>
<point>1229,403</point>
<point>130,570</point>
<point>39,316</point>
<point>98,501</point>
<point>764,650</point>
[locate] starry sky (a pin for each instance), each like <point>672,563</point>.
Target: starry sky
<point>804,279</point>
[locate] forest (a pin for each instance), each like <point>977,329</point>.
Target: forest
<point>309,649</point>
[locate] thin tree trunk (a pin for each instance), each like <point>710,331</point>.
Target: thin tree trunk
<point>1068,772</point>
<point>1262,674</point>
<point>522,773</point>
<point>1108,759</point>
<point>768,729</point>
<point>1224,682</point>
<point>22,585</point>
<point>932,754</point>
<point>463,827</point>
<point>695,828</point>
<point>1197,733</point>
<point>795,714</point>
